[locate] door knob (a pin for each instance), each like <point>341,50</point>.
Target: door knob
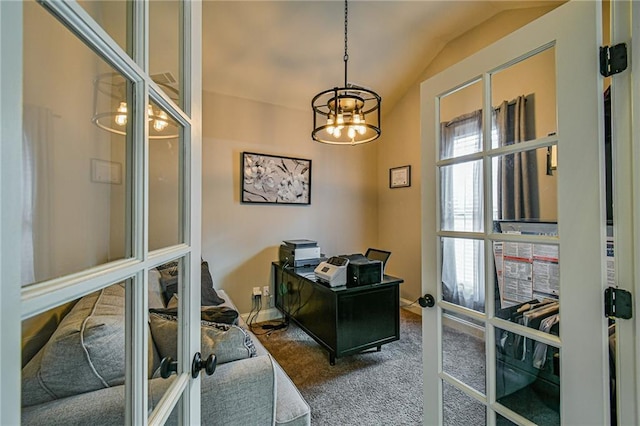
<point>198,364</point>
<point>427,301</point>
<point>168,366</point>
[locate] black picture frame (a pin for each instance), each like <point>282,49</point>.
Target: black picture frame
<point>400,177</point>
<point>274,179</point>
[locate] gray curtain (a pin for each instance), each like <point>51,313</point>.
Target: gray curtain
<point>37,136</point>
<point>461,136</point>
<point>517,173</point>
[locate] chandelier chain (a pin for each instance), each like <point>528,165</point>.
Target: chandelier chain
<point>346,18</point>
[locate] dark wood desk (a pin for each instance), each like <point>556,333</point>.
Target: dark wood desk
<point>344,320</point>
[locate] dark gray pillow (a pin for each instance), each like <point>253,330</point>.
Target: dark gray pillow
<point>169,280</point>
<point>228,342</point>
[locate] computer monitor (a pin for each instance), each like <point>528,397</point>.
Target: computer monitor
<point>381,255</point>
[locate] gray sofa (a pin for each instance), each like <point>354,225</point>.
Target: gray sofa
<point>78,376</point>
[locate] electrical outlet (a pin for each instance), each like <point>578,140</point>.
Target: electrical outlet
<point>256,291</point>
<point>266,291</point>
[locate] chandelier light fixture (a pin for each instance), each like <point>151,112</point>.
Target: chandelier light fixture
<point>348,115</point>
<point>111,112</point>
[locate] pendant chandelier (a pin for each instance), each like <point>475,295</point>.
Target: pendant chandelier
<point>348,115</point>
<point>111,112</point>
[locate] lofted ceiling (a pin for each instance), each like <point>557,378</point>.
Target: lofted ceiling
<point>284,52</point>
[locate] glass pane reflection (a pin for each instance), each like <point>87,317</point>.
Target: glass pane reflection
<point>461,122</point>
<point>165,41</point>
<point>112,16</point>
<point>463,272</point>
<point>461,409</point>
<point>524,98</point>
<point>165,183</point>
<point>76,350</point>
<point>75,181</point>
<point>523,187</point>
<point>528,377</point>
<point>463,350</point>
<point>461,197</point>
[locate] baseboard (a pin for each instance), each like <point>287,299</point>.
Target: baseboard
<point>411,306</point>
<point>269,314</point>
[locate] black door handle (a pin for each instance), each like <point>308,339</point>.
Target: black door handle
<point>427,301</point>
<point>169,366</point>
<point>198,364</point>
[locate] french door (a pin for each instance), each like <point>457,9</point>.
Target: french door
<point>516,239</point>
<point>100,185</point>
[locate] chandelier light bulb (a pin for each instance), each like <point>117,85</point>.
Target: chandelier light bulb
<point>362,130</point>
<point>330,127</point>
<point>161,122</point>
<point>337,132</point>
<point>340,120</point>
<point>121,118</point>
<point>351,132</point>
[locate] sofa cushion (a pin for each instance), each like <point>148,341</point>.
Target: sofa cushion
<point>227,342</point>
<point>85,353</point>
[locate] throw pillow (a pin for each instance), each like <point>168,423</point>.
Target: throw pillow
<point>85,353</point>
<point>227,342</point>
<point>169,280</point>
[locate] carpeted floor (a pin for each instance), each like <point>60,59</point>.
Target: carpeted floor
<point>370,388</point>
<point>385,388</point>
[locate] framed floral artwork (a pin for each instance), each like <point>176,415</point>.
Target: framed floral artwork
<point>275,179</point>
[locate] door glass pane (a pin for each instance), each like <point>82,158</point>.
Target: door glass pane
<point>164,313</point>
<point>503,421</point>
<point>461,121</point>
<point>76,351</point>
<point>165,179</point>
<point>528,283</point>
<point>165,42</point>
<point>461,197</point>
<point>528,377</point>
<point>75,173</point>
<point>463,350</point>
<point>463,272</point>
<point>525,187</point>
<point>524,100</point>
<point>112,16</point>
<point>461,409</point>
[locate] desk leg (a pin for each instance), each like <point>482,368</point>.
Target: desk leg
<point>379,348</point>
<point>332,358</point>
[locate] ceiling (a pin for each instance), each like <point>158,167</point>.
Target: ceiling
<point>285,52</point>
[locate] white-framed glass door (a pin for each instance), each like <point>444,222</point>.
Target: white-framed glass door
<point>101,150</point>
<point>513,136</point>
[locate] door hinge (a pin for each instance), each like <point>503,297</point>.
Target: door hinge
<point>613,59</point>
<point>617,303</point>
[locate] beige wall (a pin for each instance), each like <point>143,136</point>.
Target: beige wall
<point>241,240</point>
<point>399,225</point>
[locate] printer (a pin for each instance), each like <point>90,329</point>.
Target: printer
<point>366,269</point>
<point>332,271</point>
<point>298,253</point>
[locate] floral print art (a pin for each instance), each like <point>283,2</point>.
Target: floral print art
<point>270,179</point>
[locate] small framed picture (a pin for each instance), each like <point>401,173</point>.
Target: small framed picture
<point>400,177</point>
<point>103,171</point>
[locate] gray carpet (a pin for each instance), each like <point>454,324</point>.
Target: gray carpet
<point>385,388</point>
<point>370,388</point>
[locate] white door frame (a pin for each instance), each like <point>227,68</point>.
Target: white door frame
<point>584,355</point>
<point>17,303</point>
<point>625,18</point>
